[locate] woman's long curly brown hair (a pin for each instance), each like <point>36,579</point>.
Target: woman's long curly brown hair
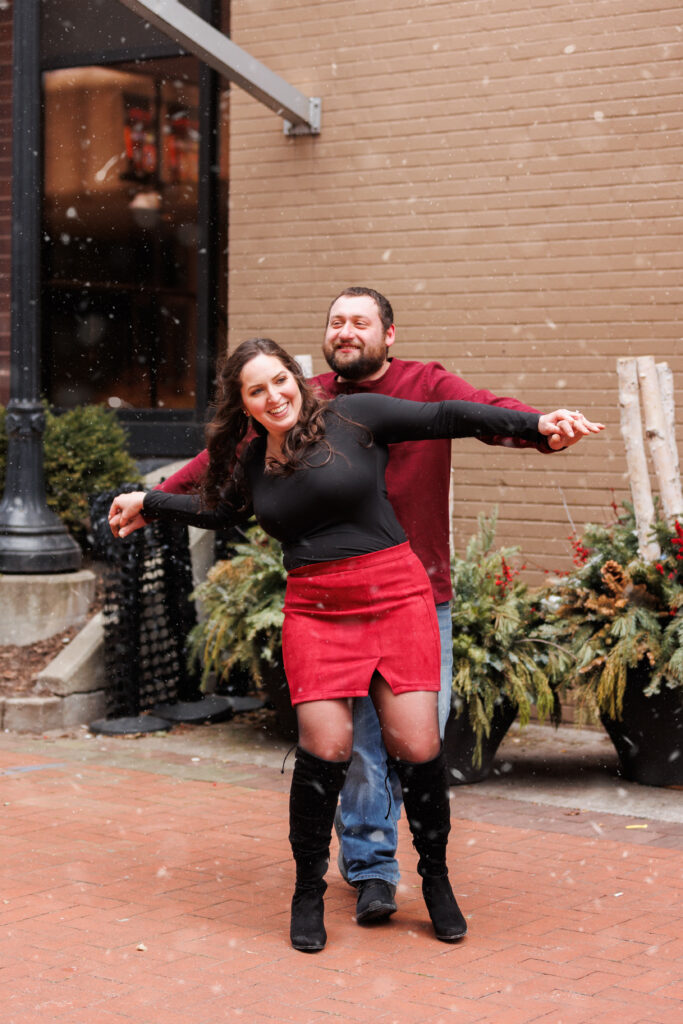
<point>226,433</point>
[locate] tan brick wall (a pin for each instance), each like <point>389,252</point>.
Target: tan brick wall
<point>508,173</point>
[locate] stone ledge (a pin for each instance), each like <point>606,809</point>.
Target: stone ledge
<point>79,667</point>
<point>83,708</point>
<point>32,714</point>
<point>36,607</point>
<point>40,714</point>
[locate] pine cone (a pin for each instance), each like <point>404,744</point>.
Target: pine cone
<point>614,578</point>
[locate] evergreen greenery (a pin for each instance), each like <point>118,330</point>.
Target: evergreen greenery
<point>242,603</point>
<point>85,452</point>
<point>494,655</point>
<point>614,612</point>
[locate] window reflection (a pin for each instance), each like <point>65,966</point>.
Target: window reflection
<point>119,238</point>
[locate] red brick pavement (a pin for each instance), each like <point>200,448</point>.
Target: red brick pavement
<point>134,897</point>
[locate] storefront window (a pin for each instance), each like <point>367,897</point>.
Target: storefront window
<point>120,235</point>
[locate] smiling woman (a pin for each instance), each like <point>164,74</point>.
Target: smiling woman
<point>262,389</point>
<point>271,396</point>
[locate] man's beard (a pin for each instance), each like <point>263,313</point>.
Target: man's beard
<point>359,368</point>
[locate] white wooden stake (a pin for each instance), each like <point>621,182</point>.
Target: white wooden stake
<point>656,432</point>
<point>636,460</point>
<point>666,389</point>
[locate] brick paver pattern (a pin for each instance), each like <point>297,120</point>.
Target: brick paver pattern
<point>133,897</point>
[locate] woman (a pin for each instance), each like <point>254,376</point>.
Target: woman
<point>359,615</point>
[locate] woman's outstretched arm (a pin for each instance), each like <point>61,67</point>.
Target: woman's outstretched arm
<point>128,512</point>
<point>392,420</point>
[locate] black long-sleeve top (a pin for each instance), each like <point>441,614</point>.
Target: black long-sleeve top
<point>336,506</point>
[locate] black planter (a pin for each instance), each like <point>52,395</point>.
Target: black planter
<point>649,735</point>
<point>277,691</point>
<point>459,742</point>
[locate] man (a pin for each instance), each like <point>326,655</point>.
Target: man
<point>359,333</point>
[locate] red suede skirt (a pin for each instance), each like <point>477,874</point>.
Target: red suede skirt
<point>345,620</point>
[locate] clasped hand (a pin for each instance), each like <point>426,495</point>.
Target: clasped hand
<point>125,513</point>
<point>564,428</point>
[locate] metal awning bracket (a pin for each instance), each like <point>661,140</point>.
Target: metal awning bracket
<point>313,126</point>
<point>300,113</point>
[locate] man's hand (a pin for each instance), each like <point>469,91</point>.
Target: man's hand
<point>125,514</point>
<point>564,428</point>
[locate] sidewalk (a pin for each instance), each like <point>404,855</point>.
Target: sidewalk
<point>147,881</point>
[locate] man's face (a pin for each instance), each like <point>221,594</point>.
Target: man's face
<point>356,343</point>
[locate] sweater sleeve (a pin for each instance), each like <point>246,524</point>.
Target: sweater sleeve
<point>443,385</point>
<point>392,420</point>
<point>187,479</point>
<point>187,509</point>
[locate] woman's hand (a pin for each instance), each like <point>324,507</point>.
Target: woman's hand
<point>564,428</point>
<point>125,513</point>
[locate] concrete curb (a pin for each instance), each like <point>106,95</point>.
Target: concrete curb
<point>78,668</point>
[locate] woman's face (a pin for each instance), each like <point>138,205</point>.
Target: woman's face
<point>270,394</point>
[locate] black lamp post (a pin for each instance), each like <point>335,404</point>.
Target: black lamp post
<point>32,538</point>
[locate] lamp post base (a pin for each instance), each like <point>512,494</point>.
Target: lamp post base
<point>39,551</point>
<point>33,539</point>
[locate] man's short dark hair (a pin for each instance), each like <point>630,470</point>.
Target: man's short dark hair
<point>386,313</point>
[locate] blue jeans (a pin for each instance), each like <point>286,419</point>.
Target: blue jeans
<point>370,805</point>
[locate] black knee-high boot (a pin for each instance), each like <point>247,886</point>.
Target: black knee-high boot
<point>425,798</point>
<point>312,804</point>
